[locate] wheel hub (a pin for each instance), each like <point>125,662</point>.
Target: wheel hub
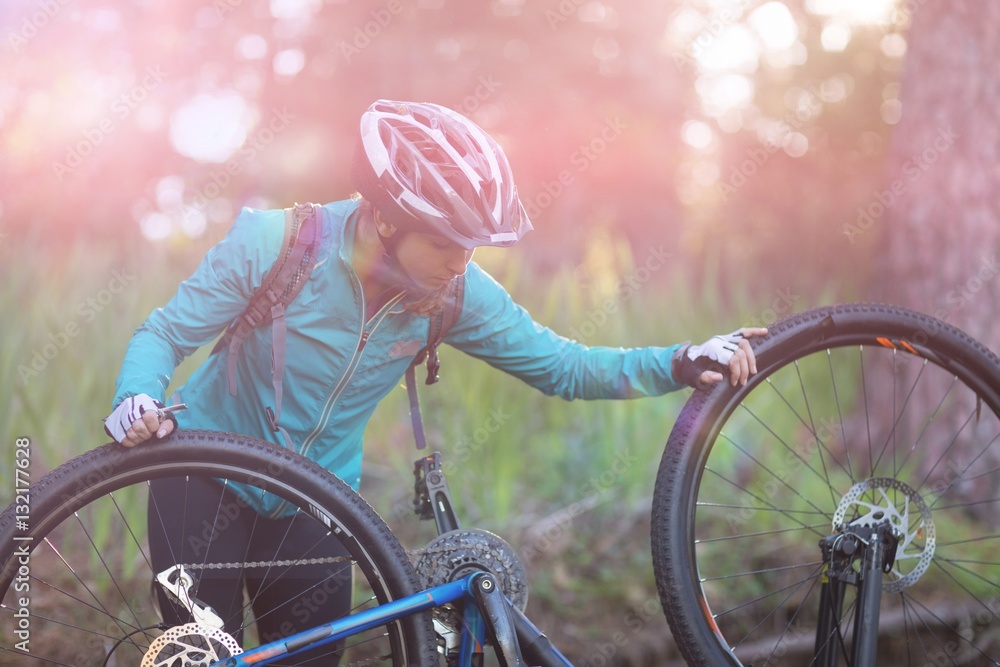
<point>879,499</point>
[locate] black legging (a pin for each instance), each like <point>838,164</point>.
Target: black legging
<point>196,520</point>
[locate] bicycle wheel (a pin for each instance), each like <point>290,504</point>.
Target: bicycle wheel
<point>84,595</point>
<point>859,414</point>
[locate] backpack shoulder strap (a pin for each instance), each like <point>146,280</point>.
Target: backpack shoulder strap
<point>439,325</point>
<point>281,285</point>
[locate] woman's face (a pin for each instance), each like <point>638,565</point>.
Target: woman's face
<point>429,260</point>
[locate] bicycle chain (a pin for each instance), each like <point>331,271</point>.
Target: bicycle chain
<point>413,554</point>
<point>288,563</point>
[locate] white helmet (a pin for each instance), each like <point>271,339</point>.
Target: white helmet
<point>429,169</point>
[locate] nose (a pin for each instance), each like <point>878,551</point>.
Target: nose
<point>460,260</point>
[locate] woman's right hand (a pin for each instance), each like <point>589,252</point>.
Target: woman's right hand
<point>137,419</point>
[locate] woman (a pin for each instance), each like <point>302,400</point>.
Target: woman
<point>433,186</point>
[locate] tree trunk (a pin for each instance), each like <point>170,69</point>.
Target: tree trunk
<point>940,229</point>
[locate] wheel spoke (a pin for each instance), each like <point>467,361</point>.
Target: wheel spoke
<point>906,429</point>
<point>92,568</point>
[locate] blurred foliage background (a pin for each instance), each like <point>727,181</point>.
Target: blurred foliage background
<point>674,123</point>
<point>689,165</point>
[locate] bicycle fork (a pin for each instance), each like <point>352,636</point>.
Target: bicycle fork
<point>874,549</point>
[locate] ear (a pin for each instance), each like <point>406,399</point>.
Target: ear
<point>385,229</point>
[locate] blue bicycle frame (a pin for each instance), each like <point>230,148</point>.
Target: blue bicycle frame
<point>486,613</point>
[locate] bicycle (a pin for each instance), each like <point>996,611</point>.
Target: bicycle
<point>822,513</point>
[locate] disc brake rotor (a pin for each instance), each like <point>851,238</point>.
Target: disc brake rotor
<point>190,645</point>
<point>878,499</point>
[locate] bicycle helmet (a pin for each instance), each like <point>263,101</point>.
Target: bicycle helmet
<point>429,169</point>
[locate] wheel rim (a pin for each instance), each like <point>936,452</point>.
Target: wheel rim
<point>804,444</point>
<point>90,576</point>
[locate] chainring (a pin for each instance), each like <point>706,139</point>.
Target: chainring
<point>459,553</point>
<point>190,645</point>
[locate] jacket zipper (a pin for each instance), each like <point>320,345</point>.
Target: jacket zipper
<point>367,329</point>
<point>351,367</point>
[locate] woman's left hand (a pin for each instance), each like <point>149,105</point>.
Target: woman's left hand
<point>701,366</point>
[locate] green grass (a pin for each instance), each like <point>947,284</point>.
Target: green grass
<point>593,461</point>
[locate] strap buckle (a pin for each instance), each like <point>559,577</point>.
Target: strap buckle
<point>433,364</point>
<point>271,420</point>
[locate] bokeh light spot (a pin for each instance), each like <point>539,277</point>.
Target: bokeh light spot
<point>289,62</point>
<point>893,45</point>
<point>733,50</point>
<point>795,144</point>
<point>156,226</point>
<point>210,127</point>
<point>891,111</point>
<point>836,35</point>
<point>606,48</point>
<point>251,47</point>
<point>719,94</point>
<point>293,9</point>
<point>696,134</point>
<point>775,26</point>
<point>169,192</point>
<point>193,222</point>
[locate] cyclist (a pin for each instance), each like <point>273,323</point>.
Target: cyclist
<point>432,186</point>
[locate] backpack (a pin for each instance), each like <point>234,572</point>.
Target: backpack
<point>281,285</point>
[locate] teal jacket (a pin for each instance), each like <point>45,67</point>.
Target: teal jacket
<point>333,379</point>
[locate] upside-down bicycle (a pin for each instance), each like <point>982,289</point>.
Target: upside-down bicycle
<point>841,507</point>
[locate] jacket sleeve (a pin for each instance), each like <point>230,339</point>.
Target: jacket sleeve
<point>203,306</point>
<point>493,328</point>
